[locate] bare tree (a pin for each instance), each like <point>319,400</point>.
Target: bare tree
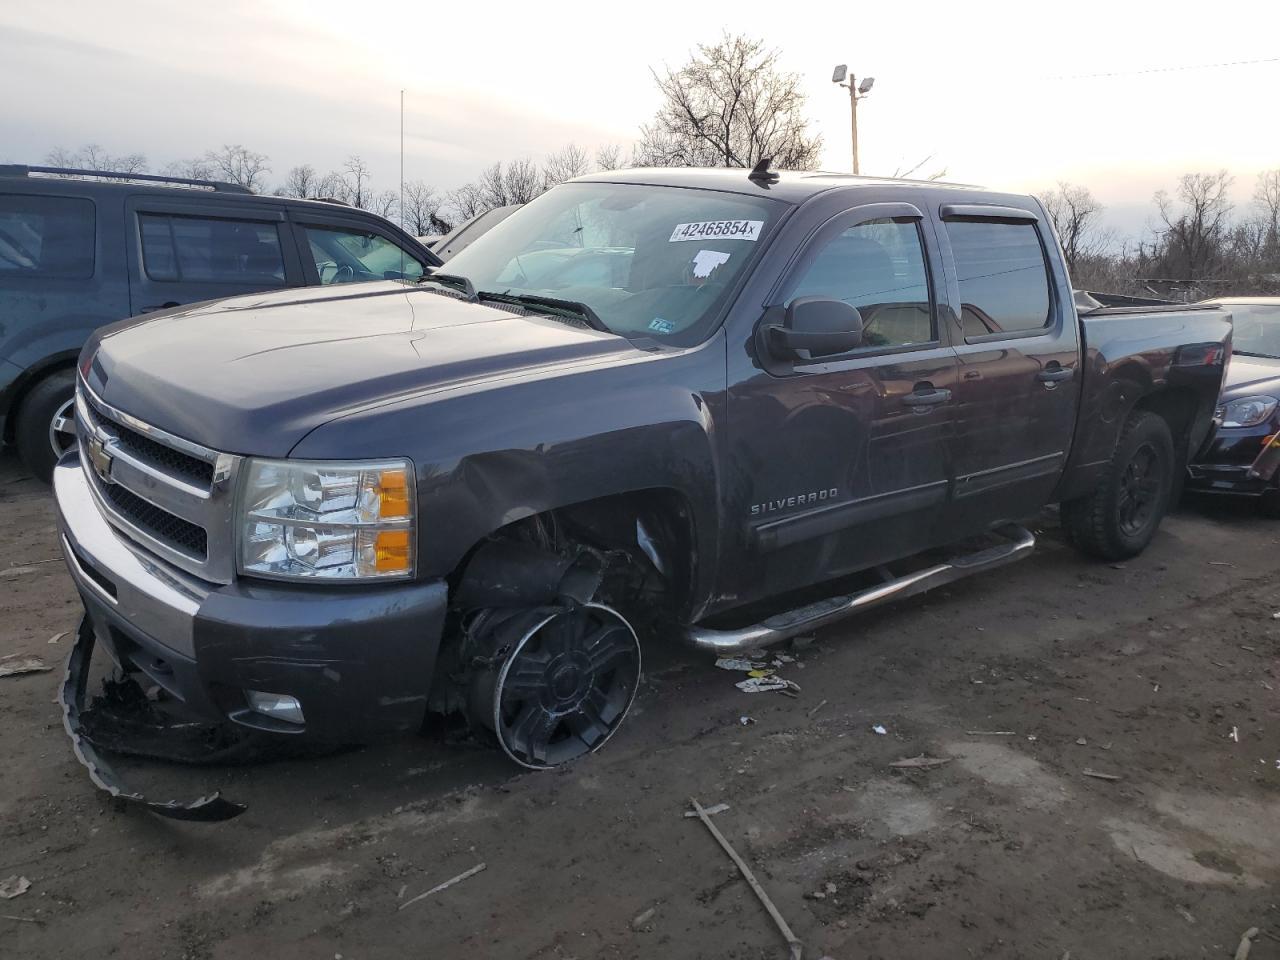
<point>1195,225</point>
<point>518,182</point>
<point>197,168</point>
<point>385,203</point>
<point>421,213</point>
<point>730,106</point>
<point>301,181</point>
<point>237,164</point>
<point>566,163</point>
<point>467,201</point>
<point>609,157</point>
<point>356,179</point>
<point>1074,212</point>
<point>906,172</point>
<point>1267,197</point>
<point>93,157</point>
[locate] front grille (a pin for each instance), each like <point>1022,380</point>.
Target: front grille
<point>170,495</point>
<point>157,523</point>
<point>171,461</point>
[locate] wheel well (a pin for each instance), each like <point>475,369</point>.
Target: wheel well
<point>25,386</point>
<point>653,527</point>
<point>1177,407</point>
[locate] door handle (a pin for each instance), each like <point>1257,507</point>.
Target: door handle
<point>1055,374</point>
<point>926,398</point>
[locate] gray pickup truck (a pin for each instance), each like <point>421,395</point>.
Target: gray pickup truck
<point>727,405</point>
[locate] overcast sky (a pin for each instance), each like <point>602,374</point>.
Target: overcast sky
<point>1001,94</point>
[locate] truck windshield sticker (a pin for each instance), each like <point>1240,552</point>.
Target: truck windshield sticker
<point>658,325</point>
<point>705,263</point>
<point>717,229</point>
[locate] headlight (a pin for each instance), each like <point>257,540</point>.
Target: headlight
<point>334,520</point>
<point>1247,411</point>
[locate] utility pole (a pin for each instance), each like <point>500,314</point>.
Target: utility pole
<point>853,118</point>
<point>857,91</point>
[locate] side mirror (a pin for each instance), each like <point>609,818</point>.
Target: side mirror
<point>815,327</point>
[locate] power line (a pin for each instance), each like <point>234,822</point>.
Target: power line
<point>1174,69</point>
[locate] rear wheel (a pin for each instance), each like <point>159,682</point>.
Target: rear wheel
<point>46,423</point>
<point>1119,518</point>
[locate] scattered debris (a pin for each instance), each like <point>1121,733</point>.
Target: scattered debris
<point>1031,737</point>
<point>10,916</point>
<point>1235,734</point>
<point>746,721</point>
<point>1221,563</point>
<point>766,684</point>
<point>739,664</point>
<point>641,919</point>
<point>14,886</point>
<point>1081,742</point>
<point>1246,944</point>
<point>879,730</point>
<point>1250,649</point>
<point>920,763</point>
<point>709,811</point>
<point>1276,615</point>
<point>442,886</point>
<point>793,942</point>
<point>991,733</point>
<point>761,674</point>
<point>817,708</point>
<point>1156,688</point>
<point>1185,914</point>
<point>57,636</point>
<point>20,665</point>
<point>1097,775</point>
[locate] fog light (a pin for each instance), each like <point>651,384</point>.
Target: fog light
<point>275,705</point>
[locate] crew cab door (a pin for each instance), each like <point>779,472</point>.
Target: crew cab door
<point>184,251</point>
<point>841,462</point>
<point>1018,346</point>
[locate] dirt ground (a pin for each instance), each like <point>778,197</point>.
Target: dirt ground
<point>1140,670</point>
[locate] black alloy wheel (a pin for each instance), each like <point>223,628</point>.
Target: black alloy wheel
<point>566,686</point>
<point>1141,490</point>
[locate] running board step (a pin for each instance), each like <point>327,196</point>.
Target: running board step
<point>783,626</point>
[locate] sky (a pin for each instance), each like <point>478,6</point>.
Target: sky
<point>1119,96</point>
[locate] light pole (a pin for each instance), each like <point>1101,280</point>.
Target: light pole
<point>857,91</point>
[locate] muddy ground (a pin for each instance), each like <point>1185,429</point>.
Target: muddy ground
<point>1141,671</point>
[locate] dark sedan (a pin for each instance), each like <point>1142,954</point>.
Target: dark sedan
<point>1234,463</point>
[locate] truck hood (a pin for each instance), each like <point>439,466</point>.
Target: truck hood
<point>255,374</point>
<point>1250,376</point>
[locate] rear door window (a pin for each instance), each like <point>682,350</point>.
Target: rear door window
<point>1003,276</point>
<point>352,255</point>
<point>46,237</point>
<point>206,249</point>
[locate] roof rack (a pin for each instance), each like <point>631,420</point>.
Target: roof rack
<point>22,170</point>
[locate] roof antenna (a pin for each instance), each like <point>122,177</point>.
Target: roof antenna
<point>761,173</point>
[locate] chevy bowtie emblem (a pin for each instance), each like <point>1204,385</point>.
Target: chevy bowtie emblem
<point>100,459</point>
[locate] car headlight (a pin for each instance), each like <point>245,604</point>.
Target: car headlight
<point>337,520</point>
<point>1247,411</point>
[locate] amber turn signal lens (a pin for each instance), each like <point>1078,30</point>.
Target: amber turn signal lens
<point>393,494</point>
<point>391,551</point>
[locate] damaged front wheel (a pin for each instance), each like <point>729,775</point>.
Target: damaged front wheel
<point>565,686</point>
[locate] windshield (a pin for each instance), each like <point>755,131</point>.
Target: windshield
<point>649,261</point>
<point>1255,329</point>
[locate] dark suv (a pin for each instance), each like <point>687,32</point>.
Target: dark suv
<point>82,248</point>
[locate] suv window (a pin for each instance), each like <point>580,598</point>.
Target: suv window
<point>46,237</point>
<point>352,255</point>
<point>1004,279</point>
<point>206,249</point>
<point>878,267</point>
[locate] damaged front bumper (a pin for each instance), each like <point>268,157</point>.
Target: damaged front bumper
<point>357,660</point>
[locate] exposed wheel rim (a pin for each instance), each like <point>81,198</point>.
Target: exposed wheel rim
<point>566,686</point>
<point>62,428</point>
<point>1141,486</point>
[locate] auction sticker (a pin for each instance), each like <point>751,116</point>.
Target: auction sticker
<point>717,229</point>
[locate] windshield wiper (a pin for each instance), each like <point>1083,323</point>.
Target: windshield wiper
<point>552,305</point>
<point>455,281</point>
<point>1254,353</point>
